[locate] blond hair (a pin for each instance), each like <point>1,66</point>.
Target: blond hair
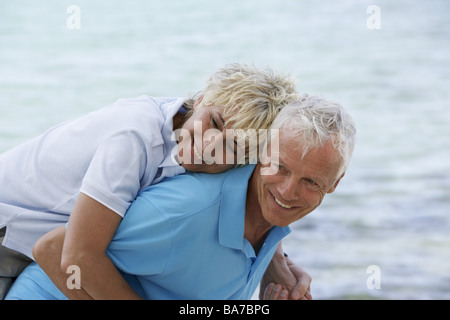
<point>251,97</point>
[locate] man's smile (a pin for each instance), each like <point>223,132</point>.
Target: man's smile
<point>282,204</point>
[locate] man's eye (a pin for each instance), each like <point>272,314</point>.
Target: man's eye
<point>278,166</point>
<point>312,184</point>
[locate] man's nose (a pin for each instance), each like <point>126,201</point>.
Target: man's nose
<point>289,189</point>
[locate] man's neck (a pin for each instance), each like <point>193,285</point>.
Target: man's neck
<point>256,227</point>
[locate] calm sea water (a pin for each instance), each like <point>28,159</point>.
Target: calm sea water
<point>385,232</point>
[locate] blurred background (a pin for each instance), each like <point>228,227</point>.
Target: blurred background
<point>385,232</point>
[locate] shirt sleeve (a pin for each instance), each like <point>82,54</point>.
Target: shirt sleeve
<point>115,172</point>
<point>142,243</point>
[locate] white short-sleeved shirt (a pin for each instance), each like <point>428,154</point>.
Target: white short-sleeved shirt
<point>109,155</point>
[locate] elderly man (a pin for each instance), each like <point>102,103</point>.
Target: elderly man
<point>200,236</point>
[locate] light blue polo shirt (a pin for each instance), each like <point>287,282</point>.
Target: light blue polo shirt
<point>183,238</point>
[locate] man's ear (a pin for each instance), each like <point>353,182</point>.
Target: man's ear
<point>336,184</point>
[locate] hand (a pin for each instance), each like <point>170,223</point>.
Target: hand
<point>275,292</point>
<point>302,289</point>
<point>282,276</point>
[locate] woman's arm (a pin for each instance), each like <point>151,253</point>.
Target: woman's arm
<point>89,232</point>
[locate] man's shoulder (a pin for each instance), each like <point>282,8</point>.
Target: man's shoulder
<point>186,187</point>
<point>194,190</point>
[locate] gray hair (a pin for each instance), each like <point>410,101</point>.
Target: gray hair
<point>318,121</point>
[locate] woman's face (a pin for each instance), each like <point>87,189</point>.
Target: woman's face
<point>203,145</point>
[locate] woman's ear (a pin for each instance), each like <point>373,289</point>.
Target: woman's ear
<point>198,101</point>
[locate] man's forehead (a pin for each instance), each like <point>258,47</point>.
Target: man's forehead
<point>294,149</point>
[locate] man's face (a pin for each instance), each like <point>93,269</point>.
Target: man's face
<point>297,185</point>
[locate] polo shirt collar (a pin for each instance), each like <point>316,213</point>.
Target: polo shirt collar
<point>169,109</point>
